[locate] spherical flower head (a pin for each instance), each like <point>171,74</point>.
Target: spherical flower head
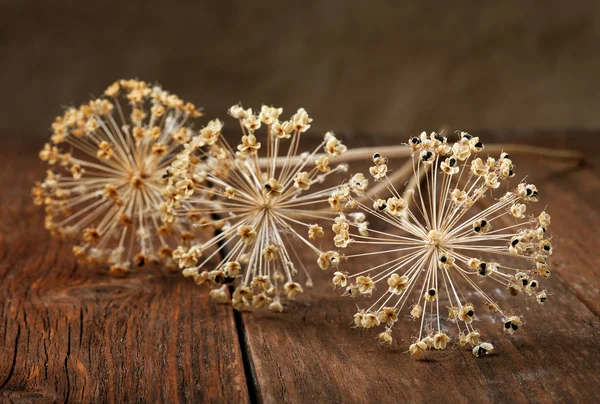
<point>262,197</point>
<point>107,165</point>
<point>438,245</point>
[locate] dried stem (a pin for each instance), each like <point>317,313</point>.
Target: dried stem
<point>362,153</point>
<point>406,170</point>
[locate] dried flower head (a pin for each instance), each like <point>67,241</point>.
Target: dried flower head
<point>104,186</point>
<point>265,209</point>
<point>444,243</point>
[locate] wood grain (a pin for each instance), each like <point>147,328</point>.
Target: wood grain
<point>71,333</point>
<point>313,354</point>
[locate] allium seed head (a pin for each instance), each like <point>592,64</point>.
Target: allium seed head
<point>107,166</point>
<point>441,240</point>
<point>268,195</point>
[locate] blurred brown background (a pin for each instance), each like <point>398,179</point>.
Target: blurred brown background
<point>381,66</point>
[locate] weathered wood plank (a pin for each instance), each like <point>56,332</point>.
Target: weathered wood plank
<point>311,353</point>
<point>73,333</point>
<point>68,332</point>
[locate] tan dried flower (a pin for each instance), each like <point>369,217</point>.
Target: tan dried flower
<point>442,244</point>
<point>106,191</point>
<point>267,206</point>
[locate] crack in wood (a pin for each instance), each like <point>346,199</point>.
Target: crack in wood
<point>67,365</point>
<point>249,369</point>
<point>14,360</point>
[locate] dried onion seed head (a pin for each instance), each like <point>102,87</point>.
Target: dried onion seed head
<point>107,165</point>
<point>442,248</point>
<point>268,207</point>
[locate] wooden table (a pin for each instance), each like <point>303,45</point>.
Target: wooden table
<point>71,334</point>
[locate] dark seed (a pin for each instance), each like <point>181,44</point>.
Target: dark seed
<point>525,282</point>
<point>528,191</point>
<point>515,242</point>
<point>166,175</point>
<point>533,284</point>
<point>443,259</point>
<point>467,136</point>
<point>470,313</point>
<point>547,247</point>
<point>415,140</point>
<point>479,145</point>
<point>431,292</point>
<point>483,223</point>
<point>267,187</point>
<point>477,229</point>
<point>426,156</point>
<point>542,299</point>
<point>511,173</point>
<point>376,155</point>
<point>507,324</point>
<point>382,206</point>
<point>514,327</point>
<point>452,162</point>
<point>483,266</point>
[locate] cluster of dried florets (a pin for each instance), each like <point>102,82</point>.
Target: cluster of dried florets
<point>443,243</point>
<point>104,186</point>
<point>264,208</point>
